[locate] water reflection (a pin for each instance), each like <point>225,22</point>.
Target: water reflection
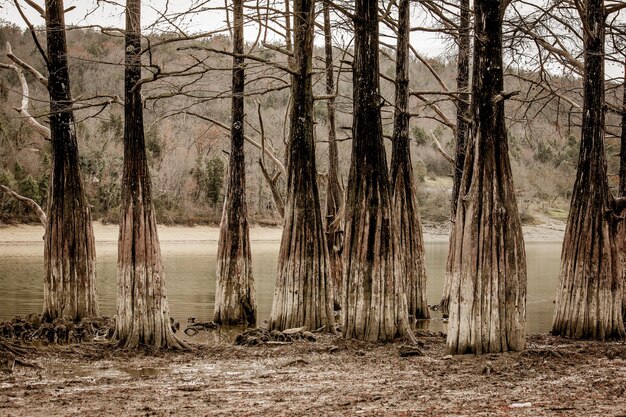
<point>190,278</point>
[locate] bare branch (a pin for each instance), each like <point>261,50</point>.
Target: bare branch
<point>43,80</point>
<point>248,139</point>
<point>441,150</point>
<point>272,181</point>
<point>277,49</point>
<point>37,7</point>
<point>43,130</point>
<point>615,8</point>
<point>246,56</point>
<point>504,96</point>
<point>31,28</point>
<point>341,9</point>
<point>444,119</point>
<point>40,213</point>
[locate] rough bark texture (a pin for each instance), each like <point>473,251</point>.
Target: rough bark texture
<point>462,132</point>
<point>374,302</point>
<point>142,310</point>
<point>589,295</point>
<point>334,192</point>
<point>463,98</point>
<point>234,292</point>
<point>622,154</point>
<point>622,192</point>
<point>488,281</point>
<point>405,206</point>
<point>303,294</point>
<point>69,249</point>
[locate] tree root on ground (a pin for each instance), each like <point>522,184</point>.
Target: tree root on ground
<point>10,353</point>
<point>33,328</point>
<point>194,328</point>
<point>259,336</point>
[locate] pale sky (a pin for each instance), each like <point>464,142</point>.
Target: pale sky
<point>87,13</point>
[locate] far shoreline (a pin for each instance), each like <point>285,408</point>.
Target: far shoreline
<point>108,233</point>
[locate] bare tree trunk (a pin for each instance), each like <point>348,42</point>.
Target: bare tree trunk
<point>589,296</point>
<point>463,99</point>
<point>374,302</point>
<point>234,292</point>
<point>303,294</point>
<point>405,206</point>
<point>334,193</point>
<point>488,281</point>
<point>69,248</point>
<point>462,132</point>
<point>622,189</point>
<point>622,154</point>
<point>143,317</point>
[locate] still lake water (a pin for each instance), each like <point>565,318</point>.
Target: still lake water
<point>190,278</point>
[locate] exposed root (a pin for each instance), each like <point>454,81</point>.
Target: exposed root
<point>258,336</point>
<point>195,328</point>
<point>61,331</point>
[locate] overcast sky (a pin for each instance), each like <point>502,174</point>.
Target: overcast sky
<point>88,12</point>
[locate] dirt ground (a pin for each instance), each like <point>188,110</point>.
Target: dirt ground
<point>553,377</point>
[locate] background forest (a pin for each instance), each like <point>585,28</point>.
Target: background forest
<point>187,137</point>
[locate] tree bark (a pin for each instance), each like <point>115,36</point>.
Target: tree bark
<point>69,248</point>
<point>334,193</point>
<point>488,281</point>
<point>622,189</point>
<point>234,292</point>
<point>622,154</point>
<point>463,98</point>
<point>374,302</point>
<point>405,205</point>
<point>303,292</point>
<point>462,133</point>
<point>589,295</point>
<point>142,310</point>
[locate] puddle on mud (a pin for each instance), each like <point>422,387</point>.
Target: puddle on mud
<point>105,370</point>
<point>144,372</point>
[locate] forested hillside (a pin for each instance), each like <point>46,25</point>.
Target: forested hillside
<point>187,110</point>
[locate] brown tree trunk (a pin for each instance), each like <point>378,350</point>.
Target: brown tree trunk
<point>462,133</point>
<point>405,206</point>
<point>334,193</point>
<point>374,302</point>
<point>463,98</point>
<point>589,295</point>
<point>488,281</point>
<point>142,310</point>
<point>234,292</point>
<point>69,249</point>
<point>622,154</point>
<point>303,293</point>
<point>622,192</point>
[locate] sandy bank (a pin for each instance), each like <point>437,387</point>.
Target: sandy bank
<point>552,231</point>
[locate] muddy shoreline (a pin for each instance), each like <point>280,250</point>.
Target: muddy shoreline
<point>332,376</point>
